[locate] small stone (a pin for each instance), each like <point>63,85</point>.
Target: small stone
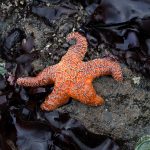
<point>60,41</point>
<point>56,58</point>
<point>79,18</point>
<point>66,27</point>
<point>73,29</point>
<point>22,2</point>
<point>48,45</point>
<point>65,45</point>
<point>136,80</point>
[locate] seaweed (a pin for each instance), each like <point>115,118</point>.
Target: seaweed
<point>124,27</point>
<point>52,13</point>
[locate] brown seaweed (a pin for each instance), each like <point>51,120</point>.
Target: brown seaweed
<point>124,27</point>
<point>51,14</point>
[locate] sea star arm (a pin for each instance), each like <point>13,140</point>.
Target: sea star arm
<point>47,76</point>
<point>102,67</point>
<point>79,49</point>
<point>55,99</point>
<point>86,94</point>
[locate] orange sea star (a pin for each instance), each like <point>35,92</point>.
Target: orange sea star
<point>72,77</point>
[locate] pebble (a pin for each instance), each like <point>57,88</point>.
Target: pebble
<point>136,80</point>
<point>65,45</point>
<point>66,27</point>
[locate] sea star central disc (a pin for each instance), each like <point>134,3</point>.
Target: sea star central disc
<point>72,77</point>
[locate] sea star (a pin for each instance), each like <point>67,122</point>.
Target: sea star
<point>72,77</point>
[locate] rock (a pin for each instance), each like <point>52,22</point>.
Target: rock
<point>136,80</point>
<point>66,27</point>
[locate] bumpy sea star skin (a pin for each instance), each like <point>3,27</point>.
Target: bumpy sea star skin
<point>72,77</point>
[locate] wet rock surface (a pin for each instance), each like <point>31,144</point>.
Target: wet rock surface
<point>125,114</point>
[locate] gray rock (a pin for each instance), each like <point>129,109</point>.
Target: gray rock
<point>66,27</point>
<point>125,114</point>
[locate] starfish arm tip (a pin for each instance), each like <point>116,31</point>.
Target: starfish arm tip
<point>97,101</point>
<point>118,76</point>
<point>48,106</point>
<point>19,81</point>
<point>44,107</point>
